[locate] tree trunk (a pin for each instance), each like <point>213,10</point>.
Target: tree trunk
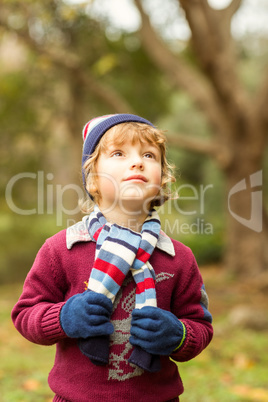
<point>246,230</point>
<point>238,123</point>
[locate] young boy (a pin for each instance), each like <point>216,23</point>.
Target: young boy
<point>114,292</point>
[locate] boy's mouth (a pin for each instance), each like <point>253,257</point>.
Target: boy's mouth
<point>137,177</point>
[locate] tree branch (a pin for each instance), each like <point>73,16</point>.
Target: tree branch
<point>261,103</point>
<point>72,63</point>
<point>182,75</point>
<point>233,7</point>
<point>213,45</point>
<point>107,94</point>
<point>204,147</point>
<point>192,144</point>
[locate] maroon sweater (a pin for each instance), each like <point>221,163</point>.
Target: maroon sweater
<point>59,273</point>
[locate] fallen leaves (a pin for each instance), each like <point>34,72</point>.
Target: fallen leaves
<point>243,362</point>
<point>254,394</point>
<point>31,384</point>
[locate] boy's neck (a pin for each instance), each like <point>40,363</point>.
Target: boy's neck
<point>129,219</point>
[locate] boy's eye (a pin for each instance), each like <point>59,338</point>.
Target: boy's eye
<point>117,153</point>
<point>149,155</point>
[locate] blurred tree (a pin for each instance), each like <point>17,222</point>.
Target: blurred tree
<point>71,73</point>
<point>238,119</point>
<point>79,72</point>
<point>58,70</point>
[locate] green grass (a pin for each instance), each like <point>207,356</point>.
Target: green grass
<point>232,368</point>
<point>24,366</point>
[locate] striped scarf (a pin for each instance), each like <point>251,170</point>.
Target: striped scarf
<point>118,250</point>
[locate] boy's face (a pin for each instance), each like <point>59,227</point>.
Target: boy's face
<point>128,175</point>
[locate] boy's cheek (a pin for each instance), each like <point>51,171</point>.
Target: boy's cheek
<point>107,185</point>
<point>156,180</point>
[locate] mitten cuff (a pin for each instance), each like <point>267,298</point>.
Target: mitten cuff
<point>51,323</point>
<point>182,338</point>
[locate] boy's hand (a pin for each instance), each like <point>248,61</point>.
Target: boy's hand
<point>157,331</point>
<point>87,314</point>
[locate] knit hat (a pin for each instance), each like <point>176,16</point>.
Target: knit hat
<point>97,127</point>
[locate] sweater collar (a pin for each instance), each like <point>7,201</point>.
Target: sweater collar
<point>78,233</point>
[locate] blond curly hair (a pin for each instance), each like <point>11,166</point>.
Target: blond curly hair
<point>136,132</point>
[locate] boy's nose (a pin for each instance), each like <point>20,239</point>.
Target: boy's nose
<point>137,163</point>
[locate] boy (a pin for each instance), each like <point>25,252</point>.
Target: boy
<point>144,299</point>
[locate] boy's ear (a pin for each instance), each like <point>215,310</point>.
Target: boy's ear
<point>92,189</point>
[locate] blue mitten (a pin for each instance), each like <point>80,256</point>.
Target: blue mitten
<point>86,315</point>
<point>157,331</point>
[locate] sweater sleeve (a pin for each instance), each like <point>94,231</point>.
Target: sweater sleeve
<point>36,314</point>
<point>190,305</point>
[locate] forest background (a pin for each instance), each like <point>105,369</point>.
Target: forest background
<point>196,71</point>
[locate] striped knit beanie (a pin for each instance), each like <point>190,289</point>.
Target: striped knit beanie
<point>97,127</point>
